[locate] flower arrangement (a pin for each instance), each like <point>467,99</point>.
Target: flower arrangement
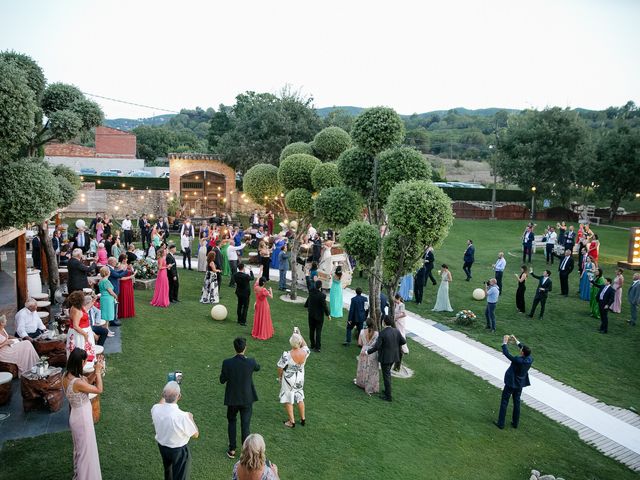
<point>465,317</point>
<point>145,268</point>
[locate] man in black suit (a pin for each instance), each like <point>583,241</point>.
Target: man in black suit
<point>570,239</point>
<point>544,287</point>
<point>82,240</point>
<point>239,393</point>
<point>606,296</point>
<point>469,258</point>
<point>145,232</point>
<point>564,269</point>
<point>172,273</point>
<point>429,263</point>
<point>357,316</point>
<point>36,252</point>
<point>389,350</point>
<point>515,379</point>
<point>419,282</point>
<point>77,279</point>
<point>243,292</point>
<point>316,304</point>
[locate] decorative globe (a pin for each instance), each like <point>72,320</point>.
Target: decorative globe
<point>478,294</point>
<point>80,223</point>
<point>219,312</point>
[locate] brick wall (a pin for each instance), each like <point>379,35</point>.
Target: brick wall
<point>111,142</point>
<point>68,150</point>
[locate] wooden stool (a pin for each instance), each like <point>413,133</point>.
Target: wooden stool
<point>44,316</point>
<point>63,274</point>
<point>40,296</point>
<point>254,259</point>
<point>11,368</point>
<point>44,306</point>
<point>5,387</point>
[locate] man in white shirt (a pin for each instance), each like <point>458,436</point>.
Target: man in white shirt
<point>232,255</point>
<point>128,232</point>
<point>311,232</point>
<point>552,237</point>
<point>499,267</point>
<point>173,428</point>
<point>187,232</point>
<point>28,323</point>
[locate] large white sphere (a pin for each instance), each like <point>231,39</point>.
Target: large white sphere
<point>219,312</point>
<point>478,294</point>
<point>80,223</point>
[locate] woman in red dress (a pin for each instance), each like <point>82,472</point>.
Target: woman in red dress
<point>161,293</point>
<point>262,325</point>
<point>594,248</point>
<point>126,304</point>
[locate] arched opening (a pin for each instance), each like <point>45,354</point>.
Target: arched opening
<point>203,193</point>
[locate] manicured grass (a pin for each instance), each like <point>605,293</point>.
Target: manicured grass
<point>439,425</point>
<point>565,344</point>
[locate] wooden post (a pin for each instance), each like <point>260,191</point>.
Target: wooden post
<point>21,270</point>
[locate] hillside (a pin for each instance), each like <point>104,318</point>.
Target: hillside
<point>131,123</point>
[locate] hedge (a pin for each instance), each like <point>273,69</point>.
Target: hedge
<point>138,183</point>
<point>484,194</point>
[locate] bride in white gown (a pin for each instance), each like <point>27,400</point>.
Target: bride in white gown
<point>442,300</point>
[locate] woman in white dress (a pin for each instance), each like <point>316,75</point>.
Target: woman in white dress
<point>202,255</point>
<point>400,317</point>
<point>291,377</point>
<point>442,300</point>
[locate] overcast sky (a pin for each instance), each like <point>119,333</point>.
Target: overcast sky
<point>413,56</point>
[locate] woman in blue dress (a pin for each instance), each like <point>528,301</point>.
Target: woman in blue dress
<point>406,287</point>
<point>585,279</point>
<point>277,248</point>
<point>335,295</point>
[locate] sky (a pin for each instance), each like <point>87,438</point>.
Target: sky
<point>414,56</point>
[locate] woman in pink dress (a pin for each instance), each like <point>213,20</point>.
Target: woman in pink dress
<point>13,350</point>
<point>367,374</point>
<point>99,230</point>
<point>102,255</point>
<point>161,293</point>
<point>618,283</point>
<point>86,461</point>
<point>126,303</point>
<point>262,325</point>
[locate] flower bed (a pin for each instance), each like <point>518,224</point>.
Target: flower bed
<point>465,317</point>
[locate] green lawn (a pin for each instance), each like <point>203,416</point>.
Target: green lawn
<point>439,425</point>
<point>565,344</point>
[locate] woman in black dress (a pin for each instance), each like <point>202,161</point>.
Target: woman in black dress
<point>522,279</point>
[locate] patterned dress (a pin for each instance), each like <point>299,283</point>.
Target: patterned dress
<point>291,389</point>
<point>210,288</point>
<point>368,375</point>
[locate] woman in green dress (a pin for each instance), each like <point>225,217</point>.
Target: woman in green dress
<point>226,266</point>
<point>108,298</point>
<point>598,280</point>
<point>335,294</point>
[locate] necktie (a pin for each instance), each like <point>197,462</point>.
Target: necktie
<point>564,263</point>
<point>602,294</point>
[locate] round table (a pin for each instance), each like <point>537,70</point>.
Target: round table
<point>5,387</point>
<point>42,392</point>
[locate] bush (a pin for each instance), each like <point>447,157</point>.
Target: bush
<point>138,183</point>
<point>329,143</point>
<point>484,194</point>
<point>361,240</point>
<point>68,173</point>
<point>337,206</point>
<point>400,254</point>
<point>261,181</point>
<point>18,109</point>
<point>325,175</point>
<point>400,164</point>
<point>295,171</point>
<point>377,129</point>
<point>297,147</point>
<point>299,200</point>
<point>67,192</point>
<point>355,166</point>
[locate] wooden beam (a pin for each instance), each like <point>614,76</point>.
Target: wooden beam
<point>21,270</point>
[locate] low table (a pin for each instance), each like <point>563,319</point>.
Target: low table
<point>54,349</point>
<point>42,392</point>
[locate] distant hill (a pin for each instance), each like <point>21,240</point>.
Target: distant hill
<point>131,123</point>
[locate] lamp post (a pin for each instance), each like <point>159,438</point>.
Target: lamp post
<point>533,203</point>
<point>633,256</point>
<point>494,167</point>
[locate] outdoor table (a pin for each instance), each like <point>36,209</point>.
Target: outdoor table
<point>53,348</point>
<point>42,392</point>
<point>63,273</point>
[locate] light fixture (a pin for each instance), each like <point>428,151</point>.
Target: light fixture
<point>82,179</point>
<point>197,177</point>
<point>117,208</point>
<point>131,188</point>
<point>208,183</point>
<point>633,257</point>
<point>99,182</point>
<point>193,210</point>
<point>124,185</point>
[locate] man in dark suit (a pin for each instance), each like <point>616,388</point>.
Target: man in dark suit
<point>243,292</point>
<point>82,240</point>
<point>606,296</point>
<point>570,239</point>
<point>419,282</point>
<point>429,263</point>
<point>36,252</point>
<point>357,315</point>
<point>544,287</point>
<point>172,273</point>
<point>388,346</point>
<point>564,269</point>
<point>527,244</point>
<point>239,393</point>
<point>633,295</point>
<point>469,258</point>
<point>77,279</point>
<point>515,379</point>
<point>145,231</point>
<point>316,304</point>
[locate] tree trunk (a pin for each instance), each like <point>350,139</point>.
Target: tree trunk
<point>615,203</point>
<point>295,248</point>
<point>391,291</point>
<point>50,258</point>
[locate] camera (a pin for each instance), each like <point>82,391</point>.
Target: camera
<point>175,376</point>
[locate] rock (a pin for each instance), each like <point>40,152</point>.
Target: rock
<point>547,477</point>
<point>535,473</point>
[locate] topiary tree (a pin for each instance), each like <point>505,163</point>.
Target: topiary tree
<point>296,147</point>
<point>325,175</point>
<point>377,129</point>
<point>400,163</point>
<point>337,206</point>
<point>299,200</point>
<point>355,167</point>
<point>295,171</point>
<point>60,96</point>
<point>18,110</point>
<point>362,241</point>
<point>261,182</point>
<point>330,142</point>
<point>32,71</point>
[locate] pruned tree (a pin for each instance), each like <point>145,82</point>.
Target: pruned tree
<point>330,142</point>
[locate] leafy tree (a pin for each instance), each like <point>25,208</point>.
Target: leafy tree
<point>330,142</point>
<point>400,163</point>
<point>337,206</point>
<point>60,96</point>
<point>68,173</point>
<point>295,171</point>
<point>545,149</point>
<point>154,142</point>
<point>219,125</point>
<point>67,191</point>
<point>418,138</point>
<point>362,241</point>
<point>299,200</point>
<point>33,72</point>
<point>261,182</point>
<point>377,129</point>
<point>18,109</point>
<point>355,166</point>
<point>618,165</point>
<point>339,117</point>
<point>296,147</point>
<point>325,175</point>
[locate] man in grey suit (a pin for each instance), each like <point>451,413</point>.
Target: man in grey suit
<point>634,298</point>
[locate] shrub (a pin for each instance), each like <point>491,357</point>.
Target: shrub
<point>400,164</point>
<point>261,181</point>
<point>325,175</point>
<point>330,142</point>
<point>299,200</point>
<point>295,171</point>
<point>362,241</point>
<point>377,129</point>
<point>297,147</point>
<point>355,166</point>
<point>337,206</point>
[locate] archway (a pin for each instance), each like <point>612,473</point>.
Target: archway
<point>203,192</point>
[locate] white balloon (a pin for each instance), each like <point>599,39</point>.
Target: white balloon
<point>80,223</point>
<point>219,312</point>
<point>478,294</point>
